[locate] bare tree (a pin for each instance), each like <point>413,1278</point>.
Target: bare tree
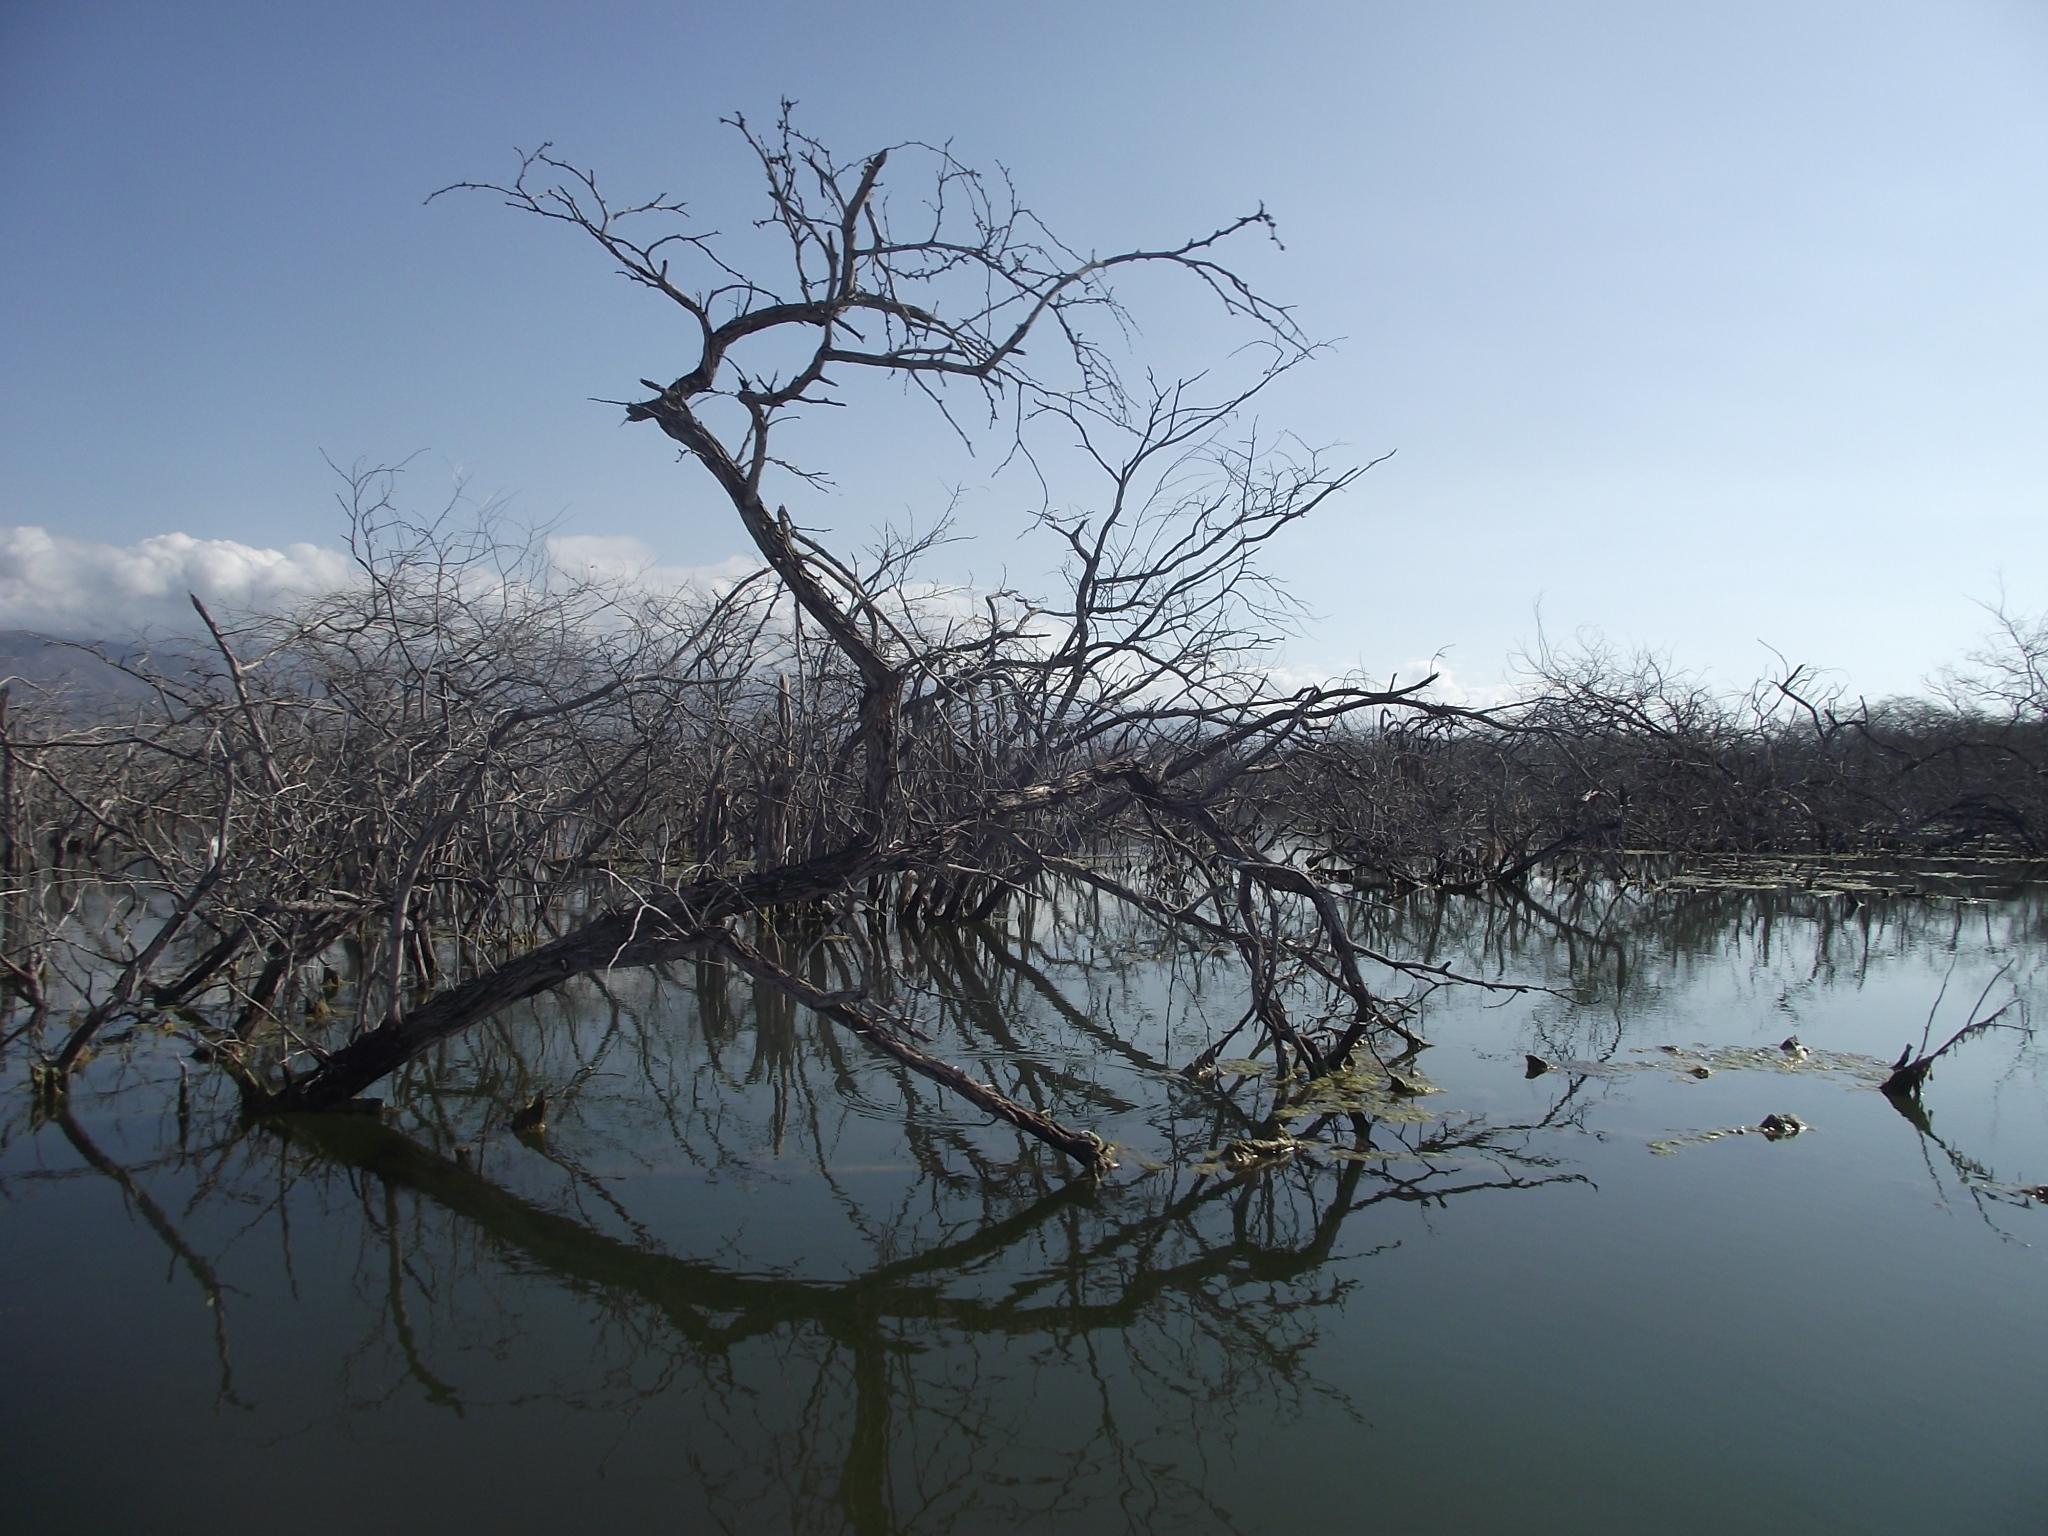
<point>492,792</point>
<point>2008,674</point>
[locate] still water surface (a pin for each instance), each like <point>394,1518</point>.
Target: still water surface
<point>756,1280</point>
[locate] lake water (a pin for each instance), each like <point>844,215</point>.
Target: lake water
<point>755,1279</point>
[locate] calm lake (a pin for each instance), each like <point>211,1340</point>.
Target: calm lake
<point>754,1278</point>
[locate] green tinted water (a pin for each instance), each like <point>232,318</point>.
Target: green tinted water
<point>754,1279</point>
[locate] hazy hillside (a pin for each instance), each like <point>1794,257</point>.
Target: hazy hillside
<point>33,661</point>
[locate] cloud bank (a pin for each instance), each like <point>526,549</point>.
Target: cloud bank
<point>85,589</point>
<point>626,561</point>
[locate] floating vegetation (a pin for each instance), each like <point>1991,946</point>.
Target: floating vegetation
<point>1774,1058</point>
<point>1250,1152</point>
<point>1387,1096</point>
<point>1393,1096</point>
<point>1771,1128</point>
<point>1858,878</point>
<point>1703,1061</point>
<point>1116,1154</point>
<point>1244,1067</point>
<point>1381,1094</point>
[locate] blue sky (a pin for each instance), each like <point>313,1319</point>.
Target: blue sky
<point>1700,326</point>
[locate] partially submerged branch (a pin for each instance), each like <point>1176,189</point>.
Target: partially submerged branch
<point>473,781</point>
<point>1909,1073</point>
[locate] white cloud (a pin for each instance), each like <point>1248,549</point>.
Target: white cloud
<point>83,588</point>
<point>1447,688</point>
<point>622,558</point>
<point>1450,688</point>
<point>87,589</point>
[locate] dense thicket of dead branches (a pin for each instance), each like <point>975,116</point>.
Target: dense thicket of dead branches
<point>327,841</point>
<point>1605,753</point>
<point>352,832</point>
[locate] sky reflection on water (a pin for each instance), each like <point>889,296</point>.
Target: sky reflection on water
<point>752,1278</point>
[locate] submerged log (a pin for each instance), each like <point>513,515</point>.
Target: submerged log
<point>532,1119</point>
<point>1908,1074</point>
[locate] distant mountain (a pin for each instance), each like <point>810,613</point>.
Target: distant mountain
<point>36,662</point>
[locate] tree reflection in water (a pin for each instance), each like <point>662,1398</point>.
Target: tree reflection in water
<point>1099,1343</point>
<point>815,1297</point>
<point>1016,1347</point>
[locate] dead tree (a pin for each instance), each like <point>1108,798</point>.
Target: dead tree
<point>832,735</point>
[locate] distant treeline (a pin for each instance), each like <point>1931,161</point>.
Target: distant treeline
<point>1606,754</point>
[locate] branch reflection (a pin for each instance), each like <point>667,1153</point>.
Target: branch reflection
<point>1093,1344</point>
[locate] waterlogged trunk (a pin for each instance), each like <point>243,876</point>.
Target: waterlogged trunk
<point>1085,1147</point>
<point>631,938</point>
<point>621,939</point>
